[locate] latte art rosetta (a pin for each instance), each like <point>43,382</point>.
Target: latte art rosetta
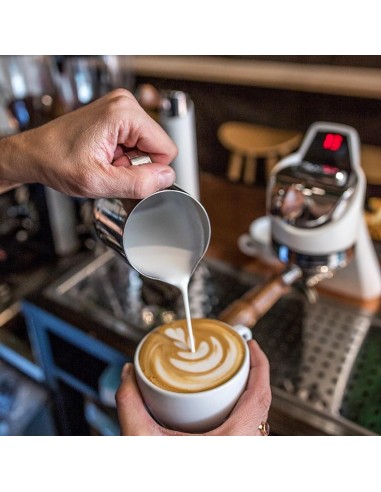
<point>168,363</point>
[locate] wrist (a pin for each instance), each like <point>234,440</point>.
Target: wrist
<point>6,183</point>
<point>5,158</point>
<point>9,155</point>
<point>16,162</point>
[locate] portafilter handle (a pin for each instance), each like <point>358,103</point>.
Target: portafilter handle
<point>257,302</point>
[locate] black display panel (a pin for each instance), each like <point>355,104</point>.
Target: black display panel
<point>330,152</point>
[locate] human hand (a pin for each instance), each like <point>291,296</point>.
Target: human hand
<point>82,152</point>
<point>250,410</point>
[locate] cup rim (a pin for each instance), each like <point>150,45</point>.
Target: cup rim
<point>195,393</point>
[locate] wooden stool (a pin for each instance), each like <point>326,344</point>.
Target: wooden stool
<point>371,163</point>
<point>247,143</point>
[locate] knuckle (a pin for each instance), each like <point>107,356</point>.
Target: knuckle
<point>120,92</point>
<point>120,97</point>
<point>119,103</point>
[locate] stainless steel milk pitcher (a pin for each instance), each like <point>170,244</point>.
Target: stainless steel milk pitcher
<point>169,217</point>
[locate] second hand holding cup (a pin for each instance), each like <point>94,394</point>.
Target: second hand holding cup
<point>163,236</point>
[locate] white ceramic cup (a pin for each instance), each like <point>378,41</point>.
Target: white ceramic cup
<point>257,243</point>
<point>195,412</point>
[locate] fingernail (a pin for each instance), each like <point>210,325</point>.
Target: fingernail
<point>165,177</point>
<point>126,370</point>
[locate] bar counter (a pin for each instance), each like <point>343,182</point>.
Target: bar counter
<point>313,351</point>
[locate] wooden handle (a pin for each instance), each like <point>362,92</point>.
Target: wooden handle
<point>255,303</point>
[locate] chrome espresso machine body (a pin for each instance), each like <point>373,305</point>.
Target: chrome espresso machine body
<point>315,203</point>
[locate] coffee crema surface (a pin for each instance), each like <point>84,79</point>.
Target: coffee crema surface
<point>167,362</point>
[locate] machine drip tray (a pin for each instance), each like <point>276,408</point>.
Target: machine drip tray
<point>325,358</point>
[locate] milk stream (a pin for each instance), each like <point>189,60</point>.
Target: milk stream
<point>171,265</point>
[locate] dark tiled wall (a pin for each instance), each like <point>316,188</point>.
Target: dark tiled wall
<point>217,103</point>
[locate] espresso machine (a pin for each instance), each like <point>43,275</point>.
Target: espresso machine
<point>315,201</point>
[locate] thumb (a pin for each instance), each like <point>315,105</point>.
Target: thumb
<point>137,181</point>
<point>134,420</point>
<point>141,181</point>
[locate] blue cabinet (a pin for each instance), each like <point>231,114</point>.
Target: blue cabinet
<point>70,357</point>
